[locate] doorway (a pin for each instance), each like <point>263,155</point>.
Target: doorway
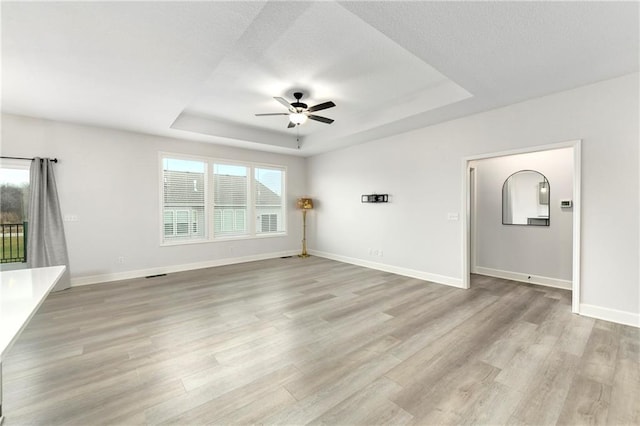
<point>470,178</point>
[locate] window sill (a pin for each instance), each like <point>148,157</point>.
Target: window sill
<point>223,239</point>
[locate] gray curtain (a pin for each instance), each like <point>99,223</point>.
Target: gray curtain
<point>46,245</point>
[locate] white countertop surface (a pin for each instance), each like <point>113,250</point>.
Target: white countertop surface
<point>21,294</point>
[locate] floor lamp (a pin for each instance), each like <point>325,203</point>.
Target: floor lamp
<point>304,204</point>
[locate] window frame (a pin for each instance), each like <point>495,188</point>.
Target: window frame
<point>283,204</point>
<point>249,231</point>
<point>174,239</point>
<point>208,223</point>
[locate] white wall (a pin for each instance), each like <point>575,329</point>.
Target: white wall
<point>109,179</point>
<point>537,251</point>
<point>421,170</point>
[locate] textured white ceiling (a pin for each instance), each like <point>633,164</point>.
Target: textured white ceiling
<point>201,70</point>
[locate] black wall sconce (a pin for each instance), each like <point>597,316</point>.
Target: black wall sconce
<point>375,198</point>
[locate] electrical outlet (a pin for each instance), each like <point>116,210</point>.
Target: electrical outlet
<point>120,260</point>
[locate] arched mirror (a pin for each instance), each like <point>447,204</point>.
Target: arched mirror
<point>525,199</point>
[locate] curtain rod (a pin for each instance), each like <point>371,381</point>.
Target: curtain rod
<point>55,160</point>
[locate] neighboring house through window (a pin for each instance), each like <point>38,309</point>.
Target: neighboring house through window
<point>269,183</point>
<point>230,199</point>
<point>224,199</point>
<point>183,199</point>
<point>269,223</point>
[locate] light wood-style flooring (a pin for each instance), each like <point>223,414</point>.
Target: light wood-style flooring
<point>298,341</point>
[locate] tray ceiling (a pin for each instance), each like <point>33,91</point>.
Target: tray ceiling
<point>201,70</point>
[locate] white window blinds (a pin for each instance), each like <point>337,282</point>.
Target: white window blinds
<point>183,199</point>
<point>230,199</point>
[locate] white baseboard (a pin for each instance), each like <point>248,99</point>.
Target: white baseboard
<point>435,278</point>
<point>613,315</point>
<point>525,278</point>
<point>126,275</point>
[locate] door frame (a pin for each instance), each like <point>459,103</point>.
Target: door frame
<point>577,205</point>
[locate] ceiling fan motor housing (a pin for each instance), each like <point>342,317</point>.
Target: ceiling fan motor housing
<point>299,106</point>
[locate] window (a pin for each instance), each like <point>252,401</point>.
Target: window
<point>169,223</point>
<point>268,195</point>
<point>194,221</point>
<point>14,198</point>
<point>205,206</point>
<point>183,199</point>
<point>269,223</point>
<point>182,223</point>
<point>230,201</point>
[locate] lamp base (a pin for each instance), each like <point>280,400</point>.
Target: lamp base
<point>304,235</point>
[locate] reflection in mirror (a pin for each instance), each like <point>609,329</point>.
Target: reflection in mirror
<point>525,199</point>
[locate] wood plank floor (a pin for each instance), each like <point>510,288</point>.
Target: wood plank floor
<point>313,341</point>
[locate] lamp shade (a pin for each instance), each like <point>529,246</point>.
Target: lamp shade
<point>305,203</point>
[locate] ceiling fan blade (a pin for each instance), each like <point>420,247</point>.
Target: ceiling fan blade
<point>321,106</point>
<point>273,113</point>
<point>284,102</point>
<point>320,119</point>
<point>291,125</point>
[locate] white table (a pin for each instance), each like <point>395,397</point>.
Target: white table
<point>21,294</point>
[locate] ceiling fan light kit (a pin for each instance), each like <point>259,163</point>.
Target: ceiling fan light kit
<point>299,112</point>
<point>297,118</point>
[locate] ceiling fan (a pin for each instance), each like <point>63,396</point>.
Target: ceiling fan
<point>299,112</point>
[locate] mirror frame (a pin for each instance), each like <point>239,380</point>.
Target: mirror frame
<point>547,221</point>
